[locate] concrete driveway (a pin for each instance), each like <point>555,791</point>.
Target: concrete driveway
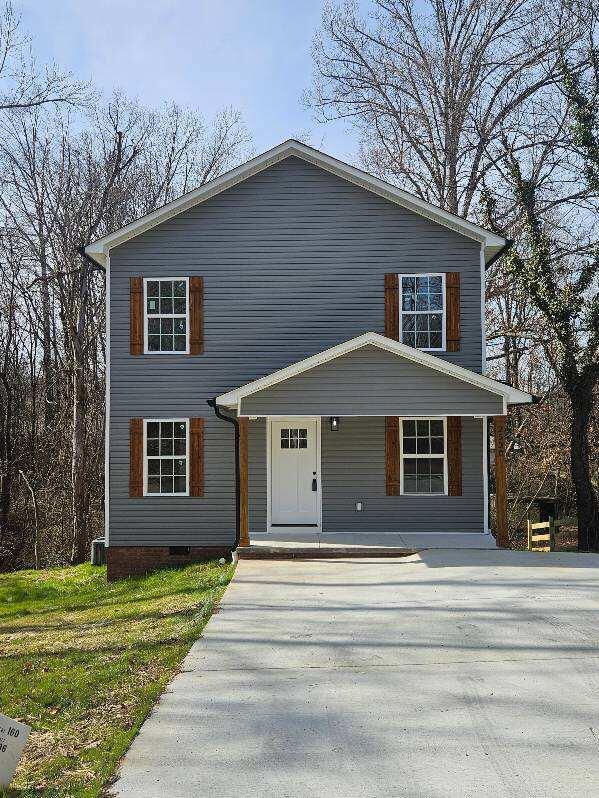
<point>449,673</point>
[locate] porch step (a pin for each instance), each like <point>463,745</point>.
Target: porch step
<point>320,552</point>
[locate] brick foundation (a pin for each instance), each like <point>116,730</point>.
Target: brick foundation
<point>123,561</point>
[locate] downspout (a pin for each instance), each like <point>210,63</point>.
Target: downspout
<point>489,480</point>
<point>232,420</point>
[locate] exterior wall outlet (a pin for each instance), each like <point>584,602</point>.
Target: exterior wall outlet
<point>359,507</point>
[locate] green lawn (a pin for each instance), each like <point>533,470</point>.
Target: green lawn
<point>82,662</point>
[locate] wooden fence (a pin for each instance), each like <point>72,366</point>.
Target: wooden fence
<point>541,535</point>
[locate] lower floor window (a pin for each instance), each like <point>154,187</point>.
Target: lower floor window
<point>166,457</point>
<point>423,455</point>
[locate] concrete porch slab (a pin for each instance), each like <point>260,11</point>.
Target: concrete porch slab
<point>400,542</point>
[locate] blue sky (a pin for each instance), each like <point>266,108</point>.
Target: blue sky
<point>251,54</point>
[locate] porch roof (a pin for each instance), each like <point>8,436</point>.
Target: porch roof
<point>384,377</point>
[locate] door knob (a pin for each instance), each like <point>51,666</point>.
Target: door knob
<point>314,484</point>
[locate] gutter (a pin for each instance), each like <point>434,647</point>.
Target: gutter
<point>507,246</point>
<point>232,420</point>
<point>81,251</point>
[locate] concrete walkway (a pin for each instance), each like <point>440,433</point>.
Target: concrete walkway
<point>449,673</point>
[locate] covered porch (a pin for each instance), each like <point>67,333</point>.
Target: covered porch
<point>321,545</point>
<point>371,446</point>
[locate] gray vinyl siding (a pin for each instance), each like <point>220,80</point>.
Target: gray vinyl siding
<point>257,479</point>
<point>293,262</point>
<point>372,381</point>
<point>174,520</point>
<point>353,469</point>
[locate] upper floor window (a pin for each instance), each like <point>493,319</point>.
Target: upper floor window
<point>166,454</point>
<point>166,323</point>
<point>422,310</point>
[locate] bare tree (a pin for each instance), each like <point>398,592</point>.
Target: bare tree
<point>560,273</point>
<point>432,86</point>
<point>66,179</point>
<point>25,85</point>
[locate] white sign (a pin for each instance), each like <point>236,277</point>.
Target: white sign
<point>13,736</point>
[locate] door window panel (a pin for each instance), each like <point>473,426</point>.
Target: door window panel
<point>294,438</point>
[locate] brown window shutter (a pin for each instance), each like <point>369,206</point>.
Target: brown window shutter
<point>454,455</point>
<point>452,309</point>
<point>196,457</point>
<point>136,315</point>
<point>392,306</point>
<point>392,455</point>
<point>196,315</point>
<point>136,457</point>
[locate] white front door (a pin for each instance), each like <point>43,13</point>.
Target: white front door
<point>294,472</point>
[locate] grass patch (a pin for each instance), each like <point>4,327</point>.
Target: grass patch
<point>82,662</point>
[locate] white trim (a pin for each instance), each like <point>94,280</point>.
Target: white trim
<point>232,399</point>
<point>270,529</point>
<point>147,421</point>
<point>423,456</point>
<point>485,477</point>
<point>173,316</point>
<point>443,311</point>
<point>291,148</point>
<point>418,534</point>
<point>370,415</point>
<point>107,412</point>
<point>483,321</point>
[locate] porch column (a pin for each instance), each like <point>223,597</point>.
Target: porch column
<point>500,481</point>
<point>244,527</point>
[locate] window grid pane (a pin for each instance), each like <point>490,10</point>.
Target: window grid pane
<point>166,315</point>
<point>423,456</point>
<point>294,438</point>
<point>166,457</point>
<point>422,311</point>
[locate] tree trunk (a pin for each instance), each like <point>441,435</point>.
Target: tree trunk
<point>6,453</point>
<point>78,471</point>
<point>581,400</point>
<point>78,464</point>
<point>48,364</point>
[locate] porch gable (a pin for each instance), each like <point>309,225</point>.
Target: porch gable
<point>373,376</point>
<point>371,382</point>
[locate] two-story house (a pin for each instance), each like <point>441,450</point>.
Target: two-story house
<point>296,346</point>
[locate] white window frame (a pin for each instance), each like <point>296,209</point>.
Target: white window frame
<point>423,456</point>
<point>166,315</point>
<point>424,312</point>
<point>165,456</point>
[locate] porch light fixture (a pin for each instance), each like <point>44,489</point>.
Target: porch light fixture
<point>334,423</point>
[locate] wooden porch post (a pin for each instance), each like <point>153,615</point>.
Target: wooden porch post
<point>500,481</point>
<point>244,527</point>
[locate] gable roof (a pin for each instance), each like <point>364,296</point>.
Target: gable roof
<point>232,399</point>
<point>492,243</point>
